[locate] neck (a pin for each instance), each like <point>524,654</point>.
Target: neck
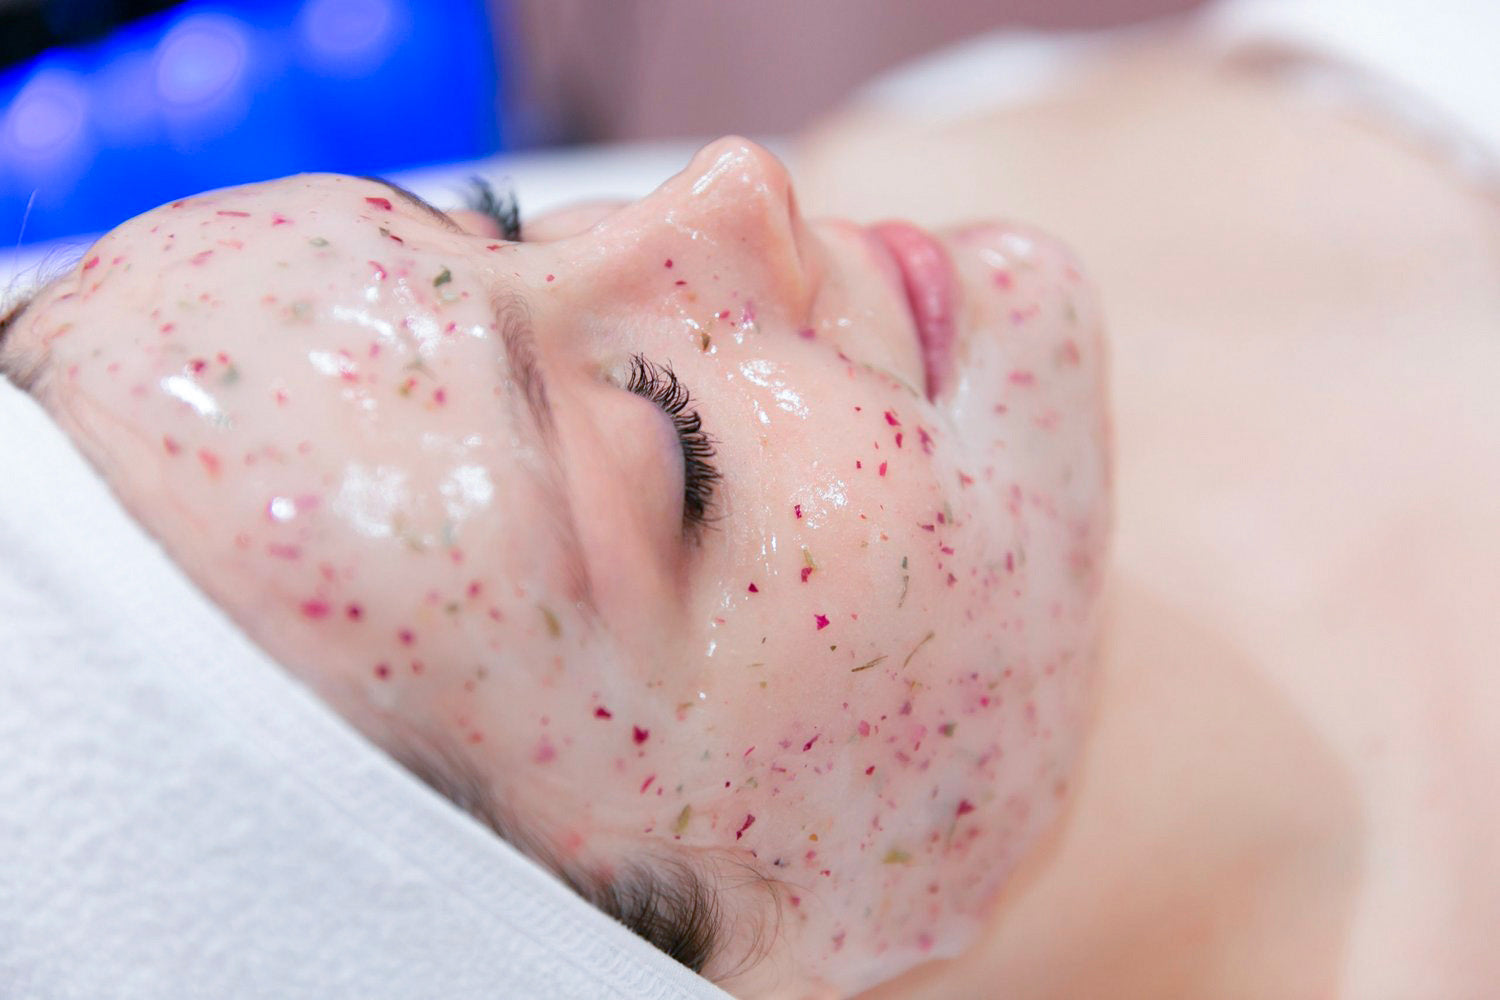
<point>1210,846</point>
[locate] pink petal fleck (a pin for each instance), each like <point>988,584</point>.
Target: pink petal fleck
<point>639,735</point>
<point>753,589</point>
<point>384,204</point>
<point>749,822</point>
<point>603,713</point>
<point>890,418</point>
<point>822,621</point>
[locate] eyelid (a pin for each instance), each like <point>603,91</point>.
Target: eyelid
<point>659,384</point>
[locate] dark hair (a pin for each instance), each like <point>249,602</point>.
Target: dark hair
<point>11,367</point>
<point>669,902</point>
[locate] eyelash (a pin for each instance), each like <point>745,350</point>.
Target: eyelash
<point>504,210</point>
<point>660,385</point>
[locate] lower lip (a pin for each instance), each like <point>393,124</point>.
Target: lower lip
<point>931,288</point>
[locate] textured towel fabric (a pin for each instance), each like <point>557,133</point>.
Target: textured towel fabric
<point>182,819</point>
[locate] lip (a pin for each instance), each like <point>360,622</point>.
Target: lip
<point>931,288</point>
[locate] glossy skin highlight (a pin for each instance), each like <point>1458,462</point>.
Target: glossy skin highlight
<point>865,681</point>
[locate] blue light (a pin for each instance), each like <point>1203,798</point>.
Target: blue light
<point>349,37</point>
<point>219,92</point>
<point>47,122</point>
<point>201,60</point>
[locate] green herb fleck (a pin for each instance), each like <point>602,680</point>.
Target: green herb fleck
<point>807,558</point>
<point>896,856</point>
<point>683,819</point>
<point>948,728</point>
<point>444,276</point>
<point>231,375</point>
<point>867,666</point>
<point>705,341</point>
<point>318,241</point>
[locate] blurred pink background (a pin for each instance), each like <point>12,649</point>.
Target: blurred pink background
<point>643,69</point>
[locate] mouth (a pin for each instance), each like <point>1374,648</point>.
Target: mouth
<point>931,288</point>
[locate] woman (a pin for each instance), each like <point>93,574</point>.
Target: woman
<point>1300,270</point>
<point>749,555</point>
<point>810,615</point>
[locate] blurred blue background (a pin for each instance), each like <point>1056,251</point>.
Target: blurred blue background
<point>111,107</point>
<point>204,95</point>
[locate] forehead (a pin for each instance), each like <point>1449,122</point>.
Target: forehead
<point>304,241</point>
<point>322,319</point>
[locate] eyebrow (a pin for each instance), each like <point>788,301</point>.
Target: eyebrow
<point>519,340</point>
<point>414,199</point>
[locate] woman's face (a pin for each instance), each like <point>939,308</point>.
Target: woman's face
<point>837,664</point>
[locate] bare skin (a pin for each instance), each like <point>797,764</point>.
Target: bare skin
<point>1287,793</point>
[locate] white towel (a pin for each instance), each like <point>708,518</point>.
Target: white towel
<point>180,818</point>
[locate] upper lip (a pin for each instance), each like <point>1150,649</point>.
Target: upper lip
<point>923,273</point>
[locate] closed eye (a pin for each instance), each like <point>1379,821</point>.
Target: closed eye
<point>660,385</point>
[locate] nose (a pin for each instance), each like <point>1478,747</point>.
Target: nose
<point>735,199</point>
